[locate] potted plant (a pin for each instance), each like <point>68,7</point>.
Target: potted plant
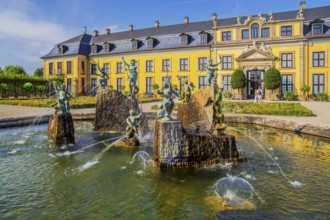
<point>305,90</point>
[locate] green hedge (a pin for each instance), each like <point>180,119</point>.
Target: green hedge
<point>79,102</point>
<point>16,82</point>
<point>286,109</point>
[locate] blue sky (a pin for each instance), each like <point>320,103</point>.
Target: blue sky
<point>30,28</point>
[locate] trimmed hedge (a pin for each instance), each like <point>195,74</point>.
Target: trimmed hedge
<point>79,102</point>
<point>16,82</point>
<point>286,109</point>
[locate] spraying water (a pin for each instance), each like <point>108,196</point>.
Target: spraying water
<point>295,184</point>
<point>96,159</point>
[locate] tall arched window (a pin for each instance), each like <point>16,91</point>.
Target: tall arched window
<point>255,31</point>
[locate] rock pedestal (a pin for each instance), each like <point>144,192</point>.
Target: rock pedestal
<point>112,109</point>
<point>61,129</point>
<point>195,112</point>
<point>175,146</point>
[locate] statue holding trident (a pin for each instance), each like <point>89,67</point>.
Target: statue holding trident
<point>211,76</point>
<point>104,77</point>
<point>132,77</point>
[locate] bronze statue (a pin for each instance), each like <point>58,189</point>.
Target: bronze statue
<point>186,93</point>
<point>211,76</point>
<point>104,77</point>
<point>218,116</point>
<point>63,96</point>
<point>167,104</point>
<point>133,122</point>
<point>132,77</point>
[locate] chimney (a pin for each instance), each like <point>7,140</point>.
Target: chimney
<point>130,27</point>
<point>95,33</point>
<point>303,5</point>
<point>107,31</point>
<point>214,19</point>
<point>156,25</point>
<point>186,20</point>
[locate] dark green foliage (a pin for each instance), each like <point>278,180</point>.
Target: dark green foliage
<point>272,79</point>
<point>322,97</point>
<point>238,80</point>
<point>289,96</point>
<point>15,83</point>
<point>4,89</point>
<point>38,73</point>
<point>14,70</point>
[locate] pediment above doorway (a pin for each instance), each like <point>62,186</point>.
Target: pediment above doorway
<point>256,53</point>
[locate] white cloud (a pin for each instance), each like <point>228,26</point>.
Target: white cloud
<point>24,40</point>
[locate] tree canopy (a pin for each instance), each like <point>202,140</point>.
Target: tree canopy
<point>14,70</point>
<point>38,73</point>
<point>272,79</point>
<point>238,80</point>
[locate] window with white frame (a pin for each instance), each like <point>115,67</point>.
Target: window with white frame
<point>201,62</point>
<point>318,83</point>
<point>166,65</point>
<point>184,64</point>
<point>286,60</point>
<point>149,82</point>
<point>149,66</point>
<point>201,81</point>
<point>227,62</point>
<point>287,85</point>
<point>318,59</point>
<point>226,83</point>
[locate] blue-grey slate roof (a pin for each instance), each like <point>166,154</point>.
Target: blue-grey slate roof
<point>167,37</point>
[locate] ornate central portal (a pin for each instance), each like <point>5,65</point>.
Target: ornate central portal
<point>254,61</point>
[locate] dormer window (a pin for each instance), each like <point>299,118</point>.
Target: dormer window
<point>94,49</point>
<point>150,43</point>
<point>184,39</point>
<point>60,49</point>
<point>317,28</point>
<point>135,44</point>
<point>106,47</point>
<point>203,37</point>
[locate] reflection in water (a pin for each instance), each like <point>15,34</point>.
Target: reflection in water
<point>37,186</point>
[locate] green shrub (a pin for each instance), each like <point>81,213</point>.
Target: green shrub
<point>27,87</point>
<point>227,94</point>
<point>322,97</point>
<point>238,80</point>
<point>272,79</point>
<point>289,96</point>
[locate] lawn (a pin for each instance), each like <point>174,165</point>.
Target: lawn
<point>264,108</point>
<point>79,102</point>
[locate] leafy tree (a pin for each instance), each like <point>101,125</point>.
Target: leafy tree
<point>305,89</point>
<point>41,89</point>
<point>38,73</point>
<point>28,87</point>
<point>238,80</point>
<point>1,70</point>
<point>14,70</point>
<point>272,79</point>
<point>3,89</point>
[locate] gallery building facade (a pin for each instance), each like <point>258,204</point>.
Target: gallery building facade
<point>297,43</point>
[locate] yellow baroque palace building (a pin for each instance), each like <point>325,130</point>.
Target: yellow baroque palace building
<point>295,42</point>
